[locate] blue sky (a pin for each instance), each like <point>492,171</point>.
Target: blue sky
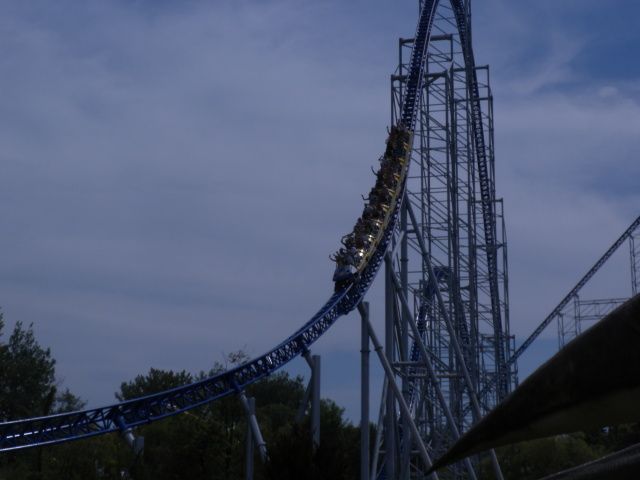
<point>174,176</point>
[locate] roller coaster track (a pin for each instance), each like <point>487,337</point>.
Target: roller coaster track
<point>122,416</point>
<point>487,193</point>
<point>574,291</point>
<point>567,298</point>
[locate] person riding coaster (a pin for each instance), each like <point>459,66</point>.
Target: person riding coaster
<point>389,178</point>
<point>366,232</point>
<point>382,192</point>
<point>346,267</point>
<point>373,215</point>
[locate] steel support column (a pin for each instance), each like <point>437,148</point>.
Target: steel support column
<point>363,308</point>
<point>249,453</point>
<point>253,425</point>
<point>312,396</point>
<point>397,394</point>
<point>315,400</point>
<point>136,443</point>
<point>448,263</point>
<point>634,246</point>
<point>389,351</point>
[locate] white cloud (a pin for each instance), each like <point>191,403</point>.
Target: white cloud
<point>173,186</point>
<point>174,180</point>
<point>566,157</point>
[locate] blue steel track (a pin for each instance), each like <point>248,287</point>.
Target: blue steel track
<point>121,416</point>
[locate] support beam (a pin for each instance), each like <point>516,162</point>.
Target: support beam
<point>405,317</point>
<point>452,334</point>
<point>397,393</point>
<point>634,246</point>
<point>389,351</point>
<point>304,404</point>
<point>363,308</point>
<point>575,290</point>
<point>379,428</point>
<point>253,425</point>
<point>136,443</point>
<point>315,401</point>
<point>312,395</point>
<point>431,373</point>
<point>250,443</point>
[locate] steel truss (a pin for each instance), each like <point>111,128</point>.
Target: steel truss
<point>125,416</point>
<point>574,318</point>
<point>634,247</point>
<point>446,284</point>
<point>557,313</point>
<point>584,314</point>
<point>447,337</point>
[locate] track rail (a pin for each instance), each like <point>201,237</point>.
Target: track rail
<point>487,190</point>
<point>121,416</point>
<point>574,291</point>
<point>567,298</point>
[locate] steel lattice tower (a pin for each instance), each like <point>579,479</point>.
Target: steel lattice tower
<point>447,352</point>
<point>634,247</point>
<point>446,274</point>
<point>579,314</point>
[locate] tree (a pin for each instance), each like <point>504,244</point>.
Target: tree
<point>67,402</point>
<point>209,442</point>
<point>28,388</point>
<point>537,458</point>
<point>27,376</point>
<point>205,443</point>
<point>201,443</point>
<point>292,456</point>
<point>153,382</point>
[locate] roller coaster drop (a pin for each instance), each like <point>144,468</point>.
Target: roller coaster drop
<point>441,253</point>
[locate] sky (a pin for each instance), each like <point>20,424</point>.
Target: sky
<point>174,175</point>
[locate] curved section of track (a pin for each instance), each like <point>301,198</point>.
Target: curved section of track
<point>121,416</point>
<point>487,189</point>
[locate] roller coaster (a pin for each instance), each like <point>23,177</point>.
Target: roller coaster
<point>364,252</point>
<point>122,416</point>
<point>452,371</point>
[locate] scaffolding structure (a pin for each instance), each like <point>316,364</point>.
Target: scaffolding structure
<point>446,281</point>
<point>634,247</point>
<point>580,314</point>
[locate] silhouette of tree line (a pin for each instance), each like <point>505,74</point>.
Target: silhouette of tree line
<point>209,442</point>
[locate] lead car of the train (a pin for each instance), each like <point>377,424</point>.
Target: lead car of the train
<point>361,243</point>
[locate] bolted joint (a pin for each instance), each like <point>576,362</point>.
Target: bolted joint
<point>136,443</point>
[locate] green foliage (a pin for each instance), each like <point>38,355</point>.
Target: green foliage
<point>155,381</point>
<point>27,376</point>
<point>538,458</point>
<point>209,442</point>
<point>292,456</point>
<point>614,438</point>
<point>67,402</point>
<point>28,389</point>
<point>205,443</point>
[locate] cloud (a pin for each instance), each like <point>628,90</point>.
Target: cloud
<point>176,175</point>
<point>567,149</point>
<point>174,181</point>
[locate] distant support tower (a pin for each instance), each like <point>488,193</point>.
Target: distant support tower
<point>567,328</point>
<point>579,314</point>
<point>446,281</point>
<point>634,244</point>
